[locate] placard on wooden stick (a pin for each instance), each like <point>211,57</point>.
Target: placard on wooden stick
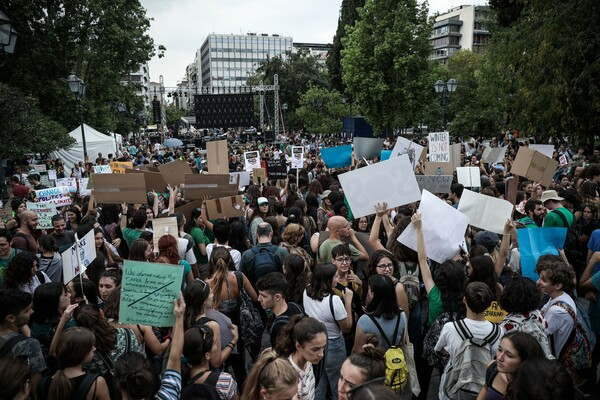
<point>259,176</point>
<point>217,157</point>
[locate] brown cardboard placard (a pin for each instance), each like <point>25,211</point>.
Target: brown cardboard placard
<point>217,157</point>
<point>225,207</point>
<point>259,176</point>
<point>534,165</point>
<point>186,209</point>
<point>119,188</point>
<point>512,186</point>
<point>154,180</point>
<point>438,168</point>
<point>119,167</point>
<point>162,227</point>
<point>147,167</point>
<point>174,172</point>
<point>213,185</point>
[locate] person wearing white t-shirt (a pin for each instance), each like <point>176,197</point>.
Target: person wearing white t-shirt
<point>336,314</point>
<point>478,297</point>
<point>556,276</point>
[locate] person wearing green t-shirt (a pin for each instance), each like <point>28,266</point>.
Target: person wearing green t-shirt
<point>534,211</point>
<point>558,214</point>
<point>196,230</point>
<point>6,253</point>
<point>139,221</point>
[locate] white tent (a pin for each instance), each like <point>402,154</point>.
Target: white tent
<point>96,142</point>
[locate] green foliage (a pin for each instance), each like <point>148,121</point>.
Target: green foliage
<point>25,128</point>
<point>385,62</point>
<point>99,40</point>
<point>174,114</point>
<point>296,73</point>
<point>321,110</point>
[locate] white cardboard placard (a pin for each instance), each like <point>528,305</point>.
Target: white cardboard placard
<point>469,176</point>
<point>485,212</point>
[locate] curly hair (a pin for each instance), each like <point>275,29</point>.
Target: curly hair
<point>557,270</point>
<point>167,247</point>
<point>219,266</point>
<point>19,270</point>
<point>296,277</point>
<point>293,234</point>
<point>520,296</point>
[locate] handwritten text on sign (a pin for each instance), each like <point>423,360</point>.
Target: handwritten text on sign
<point>58,195</point>
<point>439,147</point>
<point>148,291</point>
<point>45,211</point>
<point>434,183</point>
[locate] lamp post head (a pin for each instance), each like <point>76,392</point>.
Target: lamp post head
<point>451,85</point>
<point>8,38</point>
<point>439,86</point>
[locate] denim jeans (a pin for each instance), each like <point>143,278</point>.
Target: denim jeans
<point>336,355</point>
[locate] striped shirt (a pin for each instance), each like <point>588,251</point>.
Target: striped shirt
<point>170,386</point>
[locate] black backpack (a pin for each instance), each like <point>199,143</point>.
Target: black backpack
<point>573,247</point>
<point>80,393</point>
<point>8,345</point>
<point>205,391</point>
<point>265,261</point>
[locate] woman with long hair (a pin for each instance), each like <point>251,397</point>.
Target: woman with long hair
<point>50,261</point>
<point>259,214</point>
<point>141,250</point>
<point>111,342</point>
<point>296,277</point>
<point>168,250</point>
<point>111,256</point>
<point>292,236</point>
<point>22,273</point>
<point>195,228</point>
<point>481,269</point>
<point>320,303</point>
<point>238,238</point>
<point>75,348</point>
<point>73,218</point>
<point>514,349</point>
<point>108,282</point>
<point>302,341</point>
<point>271,378</point>
<point>382,262</point>
<point>17,206</point>
<point>367,365</point>
<point>383,317</point>
<point>307,221</point>
<point>589,222</point>
<point>15,376</point>
<point>109,222</point>
<point>196,349</point>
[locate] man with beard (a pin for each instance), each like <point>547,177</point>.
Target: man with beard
<point>62,237</point>
<point>534,211</point>
<point>23,239</point>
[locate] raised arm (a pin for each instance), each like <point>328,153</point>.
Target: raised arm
<point>155,204</point>
<point>423,265</point>
<point>174,361</point>
<point>172,196</point>
<point>503,251</point>
<point>123,216</point>
<point>380,213</point>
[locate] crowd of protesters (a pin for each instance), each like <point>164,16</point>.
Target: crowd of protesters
<point>334,293</point>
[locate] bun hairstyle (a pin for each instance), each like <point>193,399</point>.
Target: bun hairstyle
<point>133,376</point>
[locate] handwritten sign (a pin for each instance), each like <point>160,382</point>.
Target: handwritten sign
<point>434,183</point>
<point>86,249</point>
<point>102,169</point>
<point>58,196</point>
<point>297,157</point>
<point>83,186</point>
<point>147,293</point>
<point>52,174</point>
<point>71,183</point>
<point>45,211</point>
<point>40,167</point>
<point>276,169</point>
<point>118,167</point>
<point>439,147</point>
<point>251,160</point>
<point>78,257</point>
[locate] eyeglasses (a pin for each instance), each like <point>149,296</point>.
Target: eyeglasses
<point>386,266</point>
<point>343,260</point>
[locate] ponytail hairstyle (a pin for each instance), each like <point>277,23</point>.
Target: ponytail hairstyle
<point>270,373</point>
<point>198,341</point>
<point>195,295</point>
<point>220,261</point>
<point>370,359</point>
<point>73,347</point>
<point>299,330</point>
<point>133,375</point>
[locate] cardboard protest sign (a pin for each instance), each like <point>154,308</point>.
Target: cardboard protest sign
<point>52,174</point>
<point>414,150</point>
<point>102,169</point>
<point>439,147</point>
<point>78,257</point>
<point>367,147</point>
<point>493,154</point>
<point>242,177</point>
<point>534,166</point>
<point>485,212</point>
<point>225,207</point>
<point>154,180</point>
<point>469,176</point>
<point>297,157</point>
<point>217,157</point>
<point>71,183</point>
<point>251,160</point>
<point>174,172</point>
<point>259,176</point>
<point>146,167</point>
<point>276,169</point>
<point>444,228</point>
<point>147,293</point>
<point>545,149</point>
<point>337,157</point>
<point>59,196</point>
<point>119,167</point>
<point>435,168</point>
<point>511,188</point>
<point>119,188</point>
<point>162,227</point>
<point>391,181</point>
<point>434,183</point>
<point>199,185</point>
<point>82,184</point>
<point>186,209</point>
<point>45,211</point>
<point>535,242</point>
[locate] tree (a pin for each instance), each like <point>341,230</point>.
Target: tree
<point>385,62</point>
<point>348,16</point>
<point>100,41</point>
<point>174,115</point>
<point>321,110</point>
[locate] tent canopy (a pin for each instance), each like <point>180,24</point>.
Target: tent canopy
<point>96,142</point>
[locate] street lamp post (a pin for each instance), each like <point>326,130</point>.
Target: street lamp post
<point>8,38</point>
<point>444,89</point>
<point>77,86</point>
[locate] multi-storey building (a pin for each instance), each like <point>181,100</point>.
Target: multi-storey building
<point>140,77</point>
<point>318,50</point>
<point>461,28</point>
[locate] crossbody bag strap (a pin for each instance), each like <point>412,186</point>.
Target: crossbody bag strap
<point>332,311</point>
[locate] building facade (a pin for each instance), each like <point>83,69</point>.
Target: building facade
<point>141,78</point>
<point>318,50</point>
<point>461,28</point>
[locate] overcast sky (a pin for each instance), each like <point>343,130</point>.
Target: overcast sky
<point>182,25</point>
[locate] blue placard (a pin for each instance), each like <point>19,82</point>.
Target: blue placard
<point>385,155</point>
<point>337,157</point>
<point>535,242</point>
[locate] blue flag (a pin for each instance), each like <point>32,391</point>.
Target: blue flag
<point>536,242</point>
<point>337,157</point>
